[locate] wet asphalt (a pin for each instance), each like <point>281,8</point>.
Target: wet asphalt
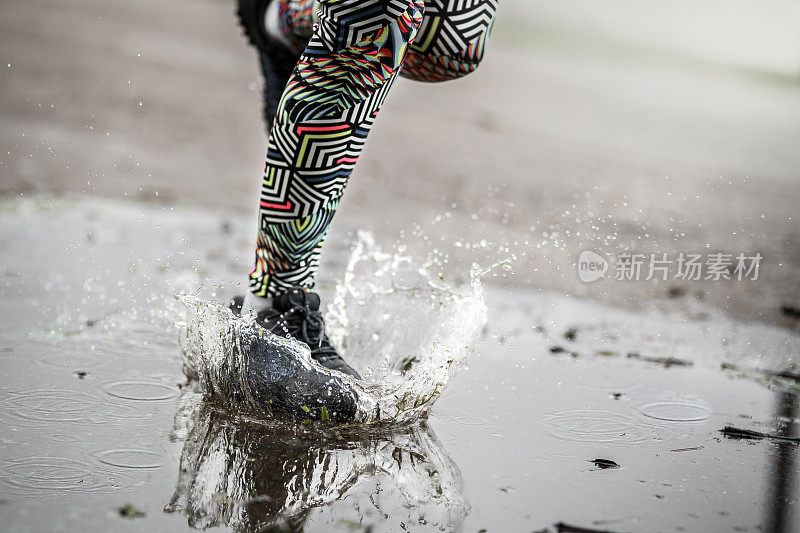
<point>131,151</point>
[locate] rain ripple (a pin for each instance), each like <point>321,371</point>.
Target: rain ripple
<point>676,411</point>
<point>31,475</point>
<point>606,427</point>
<point>131,458</point>
<point>62,405</point>
<point>146,391</point>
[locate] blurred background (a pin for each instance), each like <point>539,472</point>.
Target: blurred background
<point>131,154</point>
<point>639,126</point>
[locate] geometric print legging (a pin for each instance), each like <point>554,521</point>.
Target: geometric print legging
<point>352,52</point>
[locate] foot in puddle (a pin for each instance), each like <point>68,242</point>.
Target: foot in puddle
<point>276,378</point>
<point>296,314</point>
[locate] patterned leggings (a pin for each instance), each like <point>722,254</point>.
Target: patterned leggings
<point>353,50</point>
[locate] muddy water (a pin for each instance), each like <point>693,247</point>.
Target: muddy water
<point>97,421</point>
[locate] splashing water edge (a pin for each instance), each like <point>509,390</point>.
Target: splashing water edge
<point>407,332</point>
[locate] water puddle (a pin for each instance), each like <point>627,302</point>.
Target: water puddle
<point>536,436</point>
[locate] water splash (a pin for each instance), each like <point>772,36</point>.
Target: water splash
<point>407,332</point>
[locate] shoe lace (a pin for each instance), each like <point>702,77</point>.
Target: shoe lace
<point>308,326</point>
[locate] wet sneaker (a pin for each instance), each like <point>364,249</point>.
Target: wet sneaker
<point>296,314</point>
<point>270,376</point>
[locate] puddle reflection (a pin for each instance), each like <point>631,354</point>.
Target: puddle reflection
<point>249,476</point>
<point>784,469</point>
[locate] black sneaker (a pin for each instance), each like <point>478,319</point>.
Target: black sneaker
<point>270,377</point>
<point>296,314</point>
<point>276,58</point>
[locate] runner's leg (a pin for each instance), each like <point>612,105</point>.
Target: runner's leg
<point>451,40</point>
<point>322,121</point>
